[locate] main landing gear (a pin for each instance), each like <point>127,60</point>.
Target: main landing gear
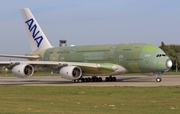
<point>92,79</point>
<point>110,79</point>
<point>95,79</point>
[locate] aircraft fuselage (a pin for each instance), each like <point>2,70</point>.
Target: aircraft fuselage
<point>133,57</point>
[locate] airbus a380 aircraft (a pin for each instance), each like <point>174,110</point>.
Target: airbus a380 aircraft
<point>76,62</point>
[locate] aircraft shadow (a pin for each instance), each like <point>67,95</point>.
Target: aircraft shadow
<point>54,82</point>
<point>135,79</point>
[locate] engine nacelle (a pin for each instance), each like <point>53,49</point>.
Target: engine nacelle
<point>23,70</point>
<point>70,72</point>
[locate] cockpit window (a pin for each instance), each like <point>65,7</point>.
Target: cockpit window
<point>160,55</point>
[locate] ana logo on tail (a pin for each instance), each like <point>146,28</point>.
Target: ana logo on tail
<point>33,27</point>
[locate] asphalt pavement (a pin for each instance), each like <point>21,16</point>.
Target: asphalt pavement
<point>167,80</point>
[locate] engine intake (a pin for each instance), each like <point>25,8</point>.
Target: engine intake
<point>23,70</point>
<point>70,72</point>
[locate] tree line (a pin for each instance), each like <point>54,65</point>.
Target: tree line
<point>173,51</point>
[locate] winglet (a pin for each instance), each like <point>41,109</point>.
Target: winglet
<point>37,38</point>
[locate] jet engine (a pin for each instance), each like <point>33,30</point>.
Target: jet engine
<point>23,70</point>
<point>70,72</point>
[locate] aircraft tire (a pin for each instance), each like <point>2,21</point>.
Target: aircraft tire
<point>96,79</point>
<point>113,79</point>
<point>85,79</point>
<point>92,79</point>
<point>158,79</point>
<point>76,81</point>
<point>99,79</point>
<point>89,79</point>
<point>110,78</point>
<point>107,79</point>
<point>82,79</point>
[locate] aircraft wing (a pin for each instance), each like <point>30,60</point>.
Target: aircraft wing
<point>20,56</point>
<point>87,68</point>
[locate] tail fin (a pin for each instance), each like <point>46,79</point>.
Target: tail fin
<point>37,39</point>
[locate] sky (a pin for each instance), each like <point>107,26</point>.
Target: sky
<point>91,22</point>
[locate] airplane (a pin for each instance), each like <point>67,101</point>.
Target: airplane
<point>77,63</point>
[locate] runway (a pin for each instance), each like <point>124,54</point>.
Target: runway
<point>167,80</point>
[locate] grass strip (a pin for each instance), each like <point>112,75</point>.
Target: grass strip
<point>89,100</point>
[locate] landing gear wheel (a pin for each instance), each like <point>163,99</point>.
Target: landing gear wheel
<point>73,81</point>
<point>92,80</point>
<point>89,79</point>
<point>158,79</point>
<point>113,79</point>
<point>95,79</point>
<point>82,79</point>
<point>107,79</point>
<point>76,81</point>
<point>110,78</point>
<point>86,80</point>
<point>99,79</point>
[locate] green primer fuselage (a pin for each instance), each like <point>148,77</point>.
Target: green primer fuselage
<point>133,57</point>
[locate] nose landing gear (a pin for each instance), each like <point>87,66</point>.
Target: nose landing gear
<point>158,79</point>
<point>158,76</point>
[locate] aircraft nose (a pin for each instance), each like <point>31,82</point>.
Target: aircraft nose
<point>168,63</point>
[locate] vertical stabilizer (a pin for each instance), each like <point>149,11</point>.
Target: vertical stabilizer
<point>37,39</point>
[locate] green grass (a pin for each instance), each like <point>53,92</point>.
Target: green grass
<point>171,73</point>
<point>89,100</point>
